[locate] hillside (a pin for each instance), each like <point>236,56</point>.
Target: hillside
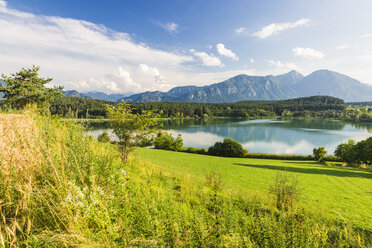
<point>238,88</point>
<point>284,86</point>
<point>325,82</point>
<point>255,175</point>
<point>96,95</point>
<point>60,188</point>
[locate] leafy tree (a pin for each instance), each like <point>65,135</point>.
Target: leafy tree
<point>104,137</point>
<point>26,87</point>
<point>130,128</point>
<point>165,141</point>
<point>227,148</point>
<point>319,153</point>
<point>345,151</point>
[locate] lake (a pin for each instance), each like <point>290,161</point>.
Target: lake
<point>293,136</point>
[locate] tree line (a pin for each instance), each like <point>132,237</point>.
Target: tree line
<point>316,106</point>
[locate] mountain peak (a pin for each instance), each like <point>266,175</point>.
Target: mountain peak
<point>290,78</point>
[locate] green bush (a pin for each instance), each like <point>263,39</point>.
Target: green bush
<point>194,150</point>
<point>104,137</point>
<point>227,148</point>
<point>319,153</point>
<point>165,141</point>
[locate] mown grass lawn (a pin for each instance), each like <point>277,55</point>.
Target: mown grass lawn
<point>342,192</point>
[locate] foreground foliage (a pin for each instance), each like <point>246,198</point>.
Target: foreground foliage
<point>60,188</point>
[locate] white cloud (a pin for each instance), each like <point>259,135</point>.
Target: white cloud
<point>118,82</point>
<point>152,71</point>
<point>207,59</point>
<point>365,56</point>
<point>251,60</point>
<point>307,53</point>
<point>170,27</point>
<point>276,28</point>
<point>366,35</point>
<point>284,65</point>
<point>71,50</point>
<point>346,46</point>
<point>240,30</point>
<point>226,52</point>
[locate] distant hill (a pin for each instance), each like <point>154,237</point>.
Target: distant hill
<point>285,86</point>
<point>96,95</point>
<point>325,82</point>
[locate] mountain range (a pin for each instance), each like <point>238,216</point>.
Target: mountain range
<point>244,87</point>
<point>285,86</point>
<point>97,95</point>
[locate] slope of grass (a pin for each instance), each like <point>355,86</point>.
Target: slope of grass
<point>339,191</point>
<point>61,188</point>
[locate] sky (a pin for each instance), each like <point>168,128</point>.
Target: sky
<point>121,46</point>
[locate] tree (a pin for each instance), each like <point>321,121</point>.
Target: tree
<point>227,148</point>
<point>319,153</point>
<point>131,129</point>
<point>346,151</point>
<point>26,87</point>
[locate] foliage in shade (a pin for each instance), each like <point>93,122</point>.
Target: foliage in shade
<point>26,87</point>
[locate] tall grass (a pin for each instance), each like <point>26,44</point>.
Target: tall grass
<point>61,188</point>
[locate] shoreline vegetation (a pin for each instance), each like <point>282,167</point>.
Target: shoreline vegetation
<point>63,188</point>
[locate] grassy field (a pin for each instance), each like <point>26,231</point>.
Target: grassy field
<point>61,188</point>
<point>339,191</point>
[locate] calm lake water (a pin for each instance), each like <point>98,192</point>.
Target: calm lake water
<point>267,136</point>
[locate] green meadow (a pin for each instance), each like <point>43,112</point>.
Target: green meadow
<point>61,188</point>
<point>340,192</point>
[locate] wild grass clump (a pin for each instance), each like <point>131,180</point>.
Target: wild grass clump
<point>61,188</point>
<point>285,190</point>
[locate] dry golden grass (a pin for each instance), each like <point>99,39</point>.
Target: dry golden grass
<point>18,143</point>
<point>19,157</point>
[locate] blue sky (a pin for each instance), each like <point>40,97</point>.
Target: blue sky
<point>134,46</point>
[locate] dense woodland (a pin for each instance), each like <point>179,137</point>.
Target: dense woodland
<point>316,106</point>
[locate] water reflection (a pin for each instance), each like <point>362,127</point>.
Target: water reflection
<point>298,136</point>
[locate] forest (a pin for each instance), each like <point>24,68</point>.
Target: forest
<point>315,106</point>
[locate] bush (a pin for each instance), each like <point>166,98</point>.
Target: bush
<point>319,153</point>
<point>227,148</point>
<point>165,141</point>
<point>194,150</point>
<point>104,137</point>
<point>285,190</point>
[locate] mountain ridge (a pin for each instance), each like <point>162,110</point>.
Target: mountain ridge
<point>245,87</point>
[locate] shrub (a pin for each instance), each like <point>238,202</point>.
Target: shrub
<point>165,141</point>
<point>285,190</point>
<point>104,137</point>
<point>319,153</point>
<point>227,148</point>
